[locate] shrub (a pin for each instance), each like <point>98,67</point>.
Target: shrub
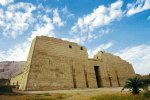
<point>146,95</point>
<point>5,89</point>
<point>134,84</point>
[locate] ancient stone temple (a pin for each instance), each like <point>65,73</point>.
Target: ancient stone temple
<point>57,64</point>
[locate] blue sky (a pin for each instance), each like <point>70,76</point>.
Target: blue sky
<point>121,27</point>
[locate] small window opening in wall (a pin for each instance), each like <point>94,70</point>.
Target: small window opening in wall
<point>97,57</point>
<point>70,46</point>
<point>81,48</point>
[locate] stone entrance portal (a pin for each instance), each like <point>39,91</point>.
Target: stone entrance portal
<point>97,74</point>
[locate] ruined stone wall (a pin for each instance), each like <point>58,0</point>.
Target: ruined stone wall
<point>23,80</point>
<point>117,70</point>
<point>16,80</point>
<point>54,64</point>
<point>57,64</point>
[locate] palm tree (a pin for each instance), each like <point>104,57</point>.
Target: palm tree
<point>134,84</point>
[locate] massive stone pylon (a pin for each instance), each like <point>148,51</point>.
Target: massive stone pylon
<point>57,64</point>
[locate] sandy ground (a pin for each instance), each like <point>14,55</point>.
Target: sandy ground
<point>98,90</point>
<point>80,94</point>
<point>76,94</point>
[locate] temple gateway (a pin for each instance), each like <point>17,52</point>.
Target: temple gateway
<point>55,64</point>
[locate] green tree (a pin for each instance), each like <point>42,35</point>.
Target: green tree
<point>134,84</point>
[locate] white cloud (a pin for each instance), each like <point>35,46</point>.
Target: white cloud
<point>84,28</point>
<point>56,18</point>
<point>138,56</point>
<point>45,27</point>
<point>14,22</point>
<point>18,18</point>
<point>18,53</point>
<point>99,17</point>
<point>104,32</point>
<point>79,40</point>
<point>27,7</point>
<point>100,48</point>
<point>5,2</point>
<point>148,18</point>
<point>137,7</point>
<point>67,13</point>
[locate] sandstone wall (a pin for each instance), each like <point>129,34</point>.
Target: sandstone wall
<point>16,80</point>
<point>55,64</point>
<point>25,74</point>
<point>117,70</point>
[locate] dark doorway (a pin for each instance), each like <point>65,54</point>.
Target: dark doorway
<point>96,68</point>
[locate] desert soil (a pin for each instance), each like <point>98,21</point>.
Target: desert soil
<point>76,94</point>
